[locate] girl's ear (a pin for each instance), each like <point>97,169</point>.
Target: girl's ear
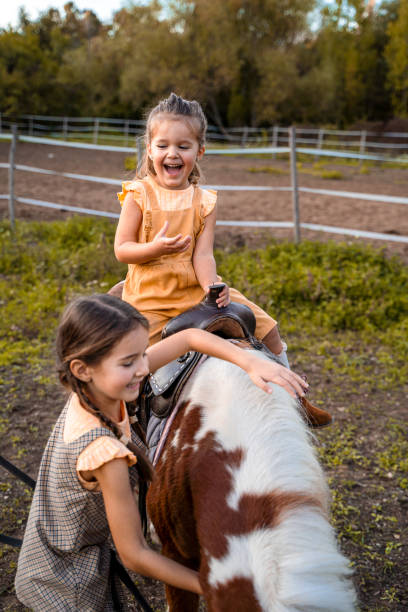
<point>149,150</point>
<point>80,370</point>
<point>200,153</point>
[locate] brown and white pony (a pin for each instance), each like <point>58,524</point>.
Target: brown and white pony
<point>240,496</point>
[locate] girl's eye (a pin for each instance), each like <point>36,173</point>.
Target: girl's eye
<point>127,364</point>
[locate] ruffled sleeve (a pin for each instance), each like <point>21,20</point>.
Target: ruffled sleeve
<point>100,451</point>
<point>138,192</point>
<point>208,201</point>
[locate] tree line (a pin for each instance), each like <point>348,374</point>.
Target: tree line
<point>249,62</point>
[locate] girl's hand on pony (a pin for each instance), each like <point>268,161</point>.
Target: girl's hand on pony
<point>263,371</point>
<point>167,246</point>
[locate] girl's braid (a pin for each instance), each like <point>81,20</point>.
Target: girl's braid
<point>143,465</point>
<point>134,421</point>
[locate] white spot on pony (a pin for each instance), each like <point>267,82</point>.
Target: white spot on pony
<point>175,439</point>
<point>272,448</point>
<point>285,565</point>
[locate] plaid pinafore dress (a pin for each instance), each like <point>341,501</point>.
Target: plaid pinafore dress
<point>64,562</point>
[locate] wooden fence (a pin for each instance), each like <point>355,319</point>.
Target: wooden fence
<point>292,150</point>
<point>125,132</point>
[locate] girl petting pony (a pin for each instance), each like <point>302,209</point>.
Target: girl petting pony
<point>95,457</point>
<point>166,230</point>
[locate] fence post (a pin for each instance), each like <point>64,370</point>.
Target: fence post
<point>295,191</point>
<point>320,138</point>
<point>244,136</point>
<point>96,130</point>
<point>363,139</point>
<point>65,128</point>
<point>11,173</point>
<point>274,139</point>
<point>139,149</point>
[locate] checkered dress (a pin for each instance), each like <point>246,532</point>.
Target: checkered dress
<point>64,560</point>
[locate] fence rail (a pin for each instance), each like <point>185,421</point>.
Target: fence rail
<point>293,188</point>
<point>126,131</point>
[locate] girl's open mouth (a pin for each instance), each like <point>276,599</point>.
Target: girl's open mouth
<point>173,170</point>
<point>134,386</point>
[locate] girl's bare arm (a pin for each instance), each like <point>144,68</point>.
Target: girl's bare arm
<point>128,250</point>
<point>203,256</point>
<point>204,262</point>
<point>261,371</point>
<point>124,523</point>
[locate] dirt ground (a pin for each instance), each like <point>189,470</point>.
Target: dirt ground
<point>380,588</point>
<point>232,205</point>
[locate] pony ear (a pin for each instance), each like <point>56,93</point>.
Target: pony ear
<point>80,370</point>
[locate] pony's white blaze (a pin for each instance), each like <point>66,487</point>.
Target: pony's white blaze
<point>294,565</point>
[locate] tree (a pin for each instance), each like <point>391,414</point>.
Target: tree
<point>396,53</point>
<point>228,48</point>
<point>31,56</point>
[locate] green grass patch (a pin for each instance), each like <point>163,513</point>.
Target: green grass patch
<point>321,289</point>
<point>131,163</point>
<point>403,165</point>
<point>318,170</point>
<point>331,286</point>
<point>42,266</point>
<point>268,170</point>
<point>331,175</point>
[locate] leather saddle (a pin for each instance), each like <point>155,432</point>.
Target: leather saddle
<point>162,389</point>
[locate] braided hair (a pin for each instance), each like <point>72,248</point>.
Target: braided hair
<point>89,329</point>
<point>178,108</point>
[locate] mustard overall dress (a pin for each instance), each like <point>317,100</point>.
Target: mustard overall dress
<point>167,286</point>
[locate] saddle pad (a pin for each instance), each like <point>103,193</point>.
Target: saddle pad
<point>161,380</point>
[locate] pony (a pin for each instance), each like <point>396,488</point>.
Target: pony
<point>240,496</point>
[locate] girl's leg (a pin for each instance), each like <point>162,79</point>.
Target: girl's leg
<point>274,343</point>
<point>157,320</point>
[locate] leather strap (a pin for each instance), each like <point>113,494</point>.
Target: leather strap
<point>161,380</point>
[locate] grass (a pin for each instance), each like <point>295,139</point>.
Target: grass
<point>268,170</point>
<point>42,265</point>
<point>343,310</point>
<point>330,287</point>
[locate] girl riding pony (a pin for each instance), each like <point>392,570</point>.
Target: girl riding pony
<point>166,230</point>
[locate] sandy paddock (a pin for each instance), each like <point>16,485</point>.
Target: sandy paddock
<point>232,205</point>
